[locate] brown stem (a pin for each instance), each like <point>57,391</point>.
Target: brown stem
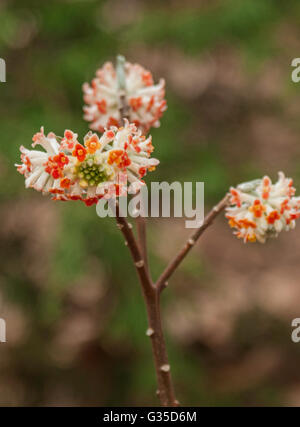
<point>142,239</point>
<point>154,332</point>
<point>123,109</point>
<point>162,280</point>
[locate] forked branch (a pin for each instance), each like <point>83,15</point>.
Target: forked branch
<point>208,220</point>
<point>154,332</point>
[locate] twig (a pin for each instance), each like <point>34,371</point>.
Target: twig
<point>162,280</point>
<point>142,239</point>
<point>154,332</point>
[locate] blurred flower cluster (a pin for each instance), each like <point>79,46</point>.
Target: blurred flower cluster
<point>260,209</point>
<point>145,100</point>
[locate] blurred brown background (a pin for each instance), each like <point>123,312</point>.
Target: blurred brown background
<point>68,292</point>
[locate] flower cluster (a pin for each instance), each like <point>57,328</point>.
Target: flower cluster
<point>260,209</point>
<point>101,167</point>
<point>145,101</point>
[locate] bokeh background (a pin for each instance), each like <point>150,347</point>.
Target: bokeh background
<point>68,292</point>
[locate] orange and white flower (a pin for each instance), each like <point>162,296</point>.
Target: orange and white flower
<point>259,209</point>
<point>100,167</point>
<point>145,101</point>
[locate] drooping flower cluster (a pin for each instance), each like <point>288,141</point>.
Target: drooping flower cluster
<point>101,167</point>
<point>145,101</point>
<point>260,209</point>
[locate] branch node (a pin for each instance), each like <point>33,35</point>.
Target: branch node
<point>150,332</point>
<point>139,264</point>
<point>191,242</point>
<point>120,226</point>
<point>126,243</point>
<point>165,368</point>
<point>129,225</point>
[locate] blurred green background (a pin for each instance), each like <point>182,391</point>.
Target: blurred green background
<point>68,292</point>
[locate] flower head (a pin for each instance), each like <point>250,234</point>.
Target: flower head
<point>145,101</point>
<point>260,209</point>
<point>100,167</point>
